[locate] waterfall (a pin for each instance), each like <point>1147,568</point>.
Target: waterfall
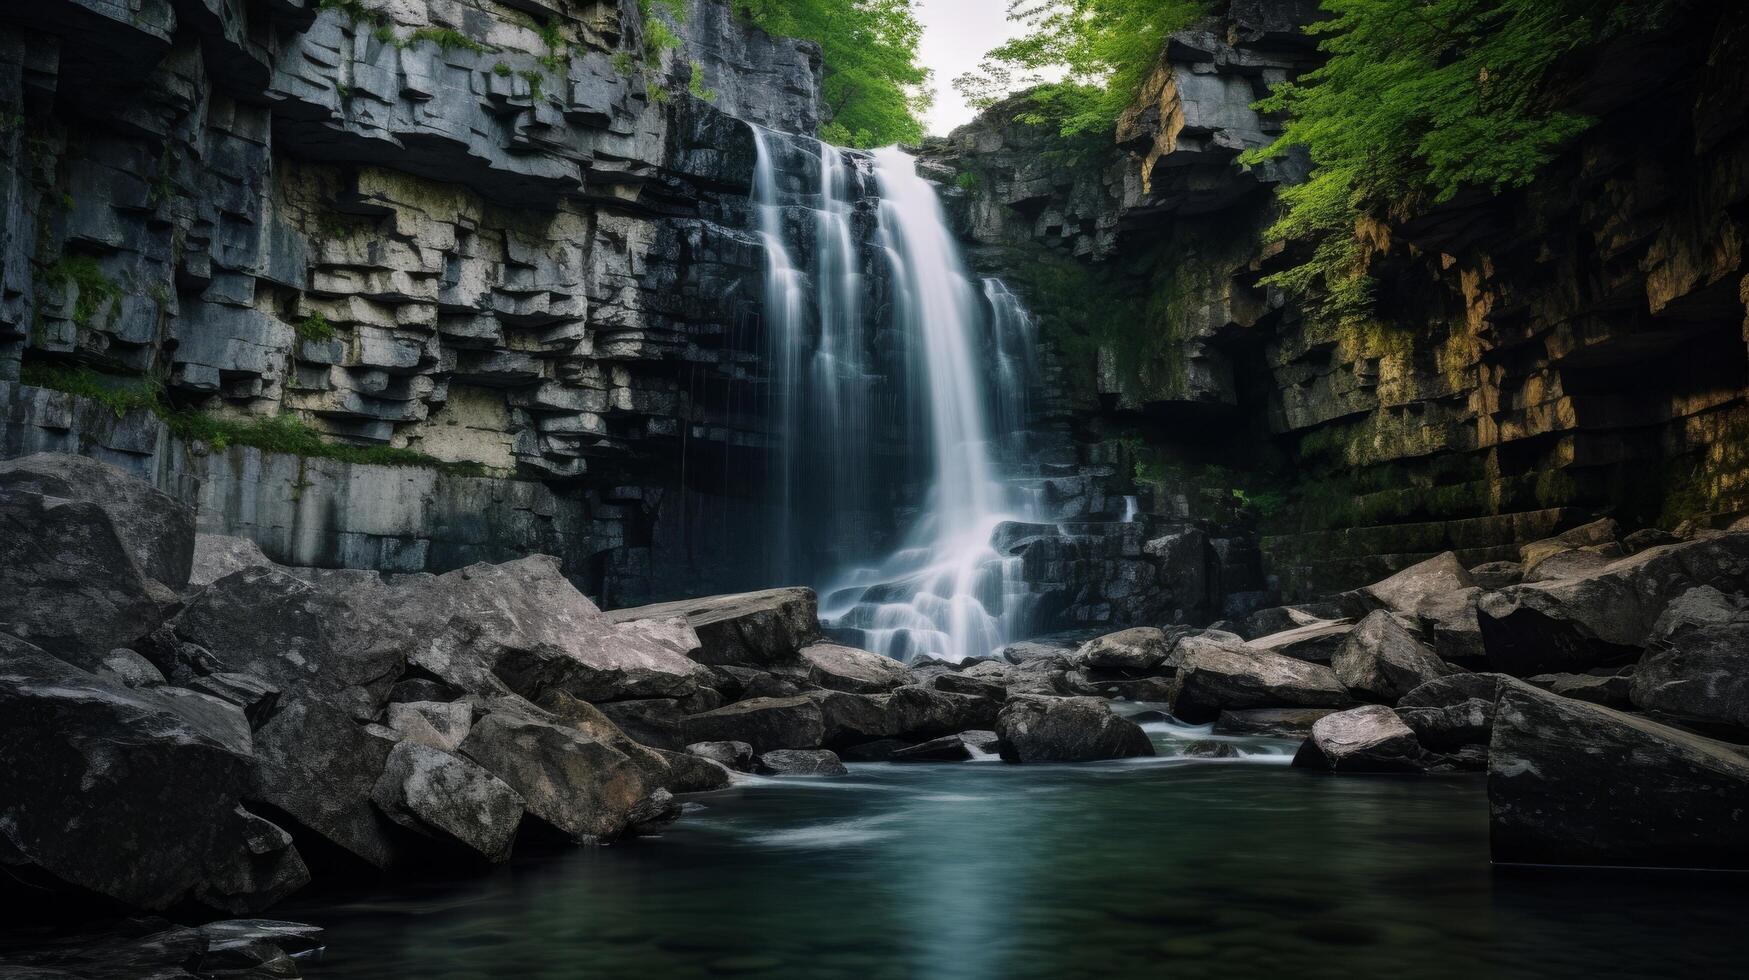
<point>869,306</point>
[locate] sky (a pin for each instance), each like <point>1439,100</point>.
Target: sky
<point>956,34</point>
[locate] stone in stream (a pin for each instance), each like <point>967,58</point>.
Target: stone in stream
<point>1270,722</point>
<point>801,762</point>
<point>323,641</point>
<point>764,723</point>
<point>1370,738</point>
<point>749,629</point>
<point>1454,689</point>
<point>1383,661</point>
<point>1078,729</point>
<point>734,755</point>
<point>69,583</point>
<point>1609,615</point>
<point>1576,783</point>
<point>1139,649</point>
<point>1208,749</point>
<point>948,748</point>
<point>1218,675</point>
<point>154,528</point>
<point>841,668</point>
<point>1699,677</point>
<point>688,773</point>
<point>156,798</point>
<point>522,628</point>
<point>676,772</point>
<point>432,792</point>
<point>582,787</point>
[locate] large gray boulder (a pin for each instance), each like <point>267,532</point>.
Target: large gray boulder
<point>1370,738</point>
<point>1609,615</point>
<point>1577,783</point>
<point>1139,649</point>
<point>1382,661</point>
<point>1451,727</point>
<point>732,755</point>
<point>68,582</point>
<point>522,628</point>
<point>319,766</point>
<point>432,792</point>
<point>651,721</point>
<point>911,713</point>
<point>1700,676</point>
<point>155,529</point>
<point>801,762</point>
<point>116,791</point>
<point>1046,729</point>
<point>219,555</point>
<point>764,723</point>
<point>1213,678</point>
<point>323,640</point>
<point>1441,597</point>
<point>582,787</point>
<point>749,629</point>
<point>841,668</point>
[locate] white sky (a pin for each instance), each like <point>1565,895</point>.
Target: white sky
<point>956,34</point>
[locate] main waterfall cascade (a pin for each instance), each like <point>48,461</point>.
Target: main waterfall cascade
<point>883,344</point>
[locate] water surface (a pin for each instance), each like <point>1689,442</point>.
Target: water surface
<point>1168,867</point>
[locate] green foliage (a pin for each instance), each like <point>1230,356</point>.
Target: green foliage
<point>875,90</point>
<point>968,180</point>
<point>97,293</point>
<point>283,433</point>
<point>1102,50</point>
<point>536,83</point>
<point>314,328</point>
<point>447,39</point>
<point>1420,99</point>
<point>695,85</point>
<point>623,63</point>
<point>558,55</point>
<point>502,70</point>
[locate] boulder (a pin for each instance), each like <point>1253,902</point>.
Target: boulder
<point>1044,729</point>
<point>318,640</point>
<point>1452,689</point>
<point>653,813</point>
<point>960,747</point>
<point>114,791</point>
<point>1019,653</point>
<point>1702,605</point>
<point>1315,642</point>
<point>1101,684</point>
<point>1382,661</point>
<point>689,773</point>
<point>155,529</point>
<point>1608,616</point>
<point>1370,738</point>
<point>1606,686</point>
<point>975,685</point>
<point>652,721</point>
<point>577,785</point>
<point>1270,722</point>
<point>219,555</point>
<point>128,669</point>
<point>442,725</point>
<point>1440,596</point>
<point>1577,783</point>
<point>1700,677</point>
<point>68,583</point>
<point>1208,749</point>
<point>750,629</point>
<point>1452,727</point>
<point>733,755</point>
<point>841,668</point>
<point>319,766</point>
<point>431,792</point>
<point>764,723</point>
<point>522,628</point>
<point>1213,678</point>
<point>801,762</point>
<point>1497,574</point>
<point>1597,534</point>
<point>912,713</point>
<point>1139,649</point>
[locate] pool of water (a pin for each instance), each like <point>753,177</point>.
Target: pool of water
<point>1173,866</point>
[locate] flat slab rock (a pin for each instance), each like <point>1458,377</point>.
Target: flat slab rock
<point>748,629</point>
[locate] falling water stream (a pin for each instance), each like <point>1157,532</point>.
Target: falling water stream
<point>961,373</point>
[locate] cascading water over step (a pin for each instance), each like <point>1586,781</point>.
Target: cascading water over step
<point>900,385</point>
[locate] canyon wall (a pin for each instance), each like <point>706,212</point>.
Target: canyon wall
<point>1535,359</point>
<point>509,236</point>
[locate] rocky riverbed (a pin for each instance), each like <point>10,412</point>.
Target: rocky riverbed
<point>188,730</point>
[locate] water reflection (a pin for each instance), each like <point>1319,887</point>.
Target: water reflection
<point>1180,867</point>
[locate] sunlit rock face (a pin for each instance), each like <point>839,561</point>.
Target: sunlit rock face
<point>506,234</point>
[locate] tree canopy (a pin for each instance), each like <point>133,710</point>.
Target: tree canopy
<point>875,90</point>
<point>1083,60</point>
<point>1418,100</point>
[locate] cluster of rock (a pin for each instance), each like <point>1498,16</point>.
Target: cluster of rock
<point>1601,681</point>
<point>183,720</point>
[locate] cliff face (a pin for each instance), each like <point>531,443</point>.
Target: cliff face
<point>1537,358</point>
<point>510,234</point>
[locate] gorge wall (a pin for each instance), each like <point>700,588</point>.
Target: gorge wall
<point>510,237</point>
<point>1569,350</point>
